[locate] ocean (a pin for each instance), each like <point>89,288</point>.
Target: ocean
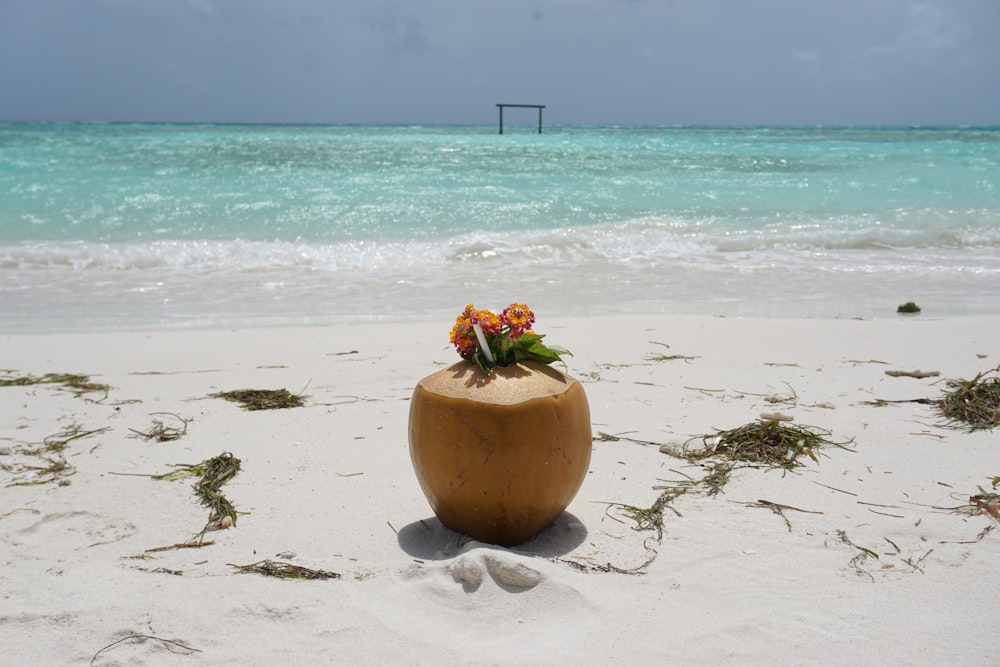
<point>154,226</point>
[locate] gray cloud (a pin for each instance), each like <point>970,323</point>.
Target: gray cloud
<point>401,31</point>
<point>424,61</point>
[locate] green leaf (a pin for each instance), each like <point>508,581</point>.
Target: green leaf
<point>542,353</point>
<point>501,348</point>
<point>528,339</point>
<point>560,351</point>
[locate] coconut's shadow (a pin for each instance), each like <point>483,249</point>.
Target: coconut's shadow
<point>429,539</point>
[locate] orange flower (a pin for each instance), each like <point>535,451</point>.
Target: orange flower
<point>488,320</point>
<point>519,318</point>
<point>463,337</point>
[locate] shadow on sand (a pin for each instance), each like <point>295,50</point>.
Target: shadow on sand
<point>429,539</point>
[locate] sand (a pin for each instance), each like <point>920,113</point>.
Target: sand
<point>330,487</point>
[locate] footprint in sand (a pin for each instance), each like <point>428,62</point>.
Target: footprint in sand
<point>504,568</point>
<point>94,529</point>
<point>493,593</point>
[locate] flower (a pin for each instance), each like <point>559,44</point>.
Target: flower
<point>463,336</point>
<point>519,318</point>
<point>486,339</point>
<point>488,322</point>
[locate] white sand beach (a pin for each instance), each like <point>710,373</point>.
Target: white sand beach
<point>872,554</point>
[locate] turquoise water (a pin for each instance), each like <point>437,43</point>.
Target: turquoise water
<point>148,225</point>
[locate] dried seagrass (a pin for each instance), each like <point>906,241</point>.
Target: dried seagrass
<point>263,399</point>
<point>974,404</point>
<point>765,441</point>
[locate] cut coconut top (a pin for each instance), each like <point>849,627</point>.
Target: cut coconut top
<point>505,385</point>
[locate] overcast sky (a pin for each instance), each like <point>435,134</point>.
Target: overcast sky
<point>451,61</point>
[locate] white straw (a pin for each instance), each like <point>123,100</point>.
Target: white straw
<point>482,342</point>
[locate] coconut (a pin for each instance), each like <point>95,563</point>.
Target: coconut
<point>500,456</point>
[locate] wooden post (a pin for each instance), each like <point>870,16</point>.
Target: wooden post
<point>529,106</point>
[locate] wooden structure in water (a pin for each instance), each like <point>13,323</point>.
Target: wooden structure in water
<point>523,106</point>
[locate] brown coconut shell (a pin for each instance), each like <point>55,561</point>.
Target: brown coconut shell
<point>500,456</point>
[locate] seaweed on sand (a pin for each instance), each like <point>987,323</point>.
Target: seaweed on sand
<point>652,518</point>
<point>987,502</point>
<point>214,473</point>
<point>768,442</point>
<point>271,568</point>
<point>263,399</point>
<point>984,502</point>
<point>160,432</point>
<point>219,470</point>
<point>718,476</point>
<point>78,384</point>
<point>974,404</point>
<point>53,453</point>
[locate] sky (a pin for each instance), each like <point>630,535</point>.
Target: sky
<point>706,62</point>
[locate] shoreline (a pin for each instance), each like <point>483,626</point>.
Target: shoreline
<point>875,308</point>
<point>329,486</point>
